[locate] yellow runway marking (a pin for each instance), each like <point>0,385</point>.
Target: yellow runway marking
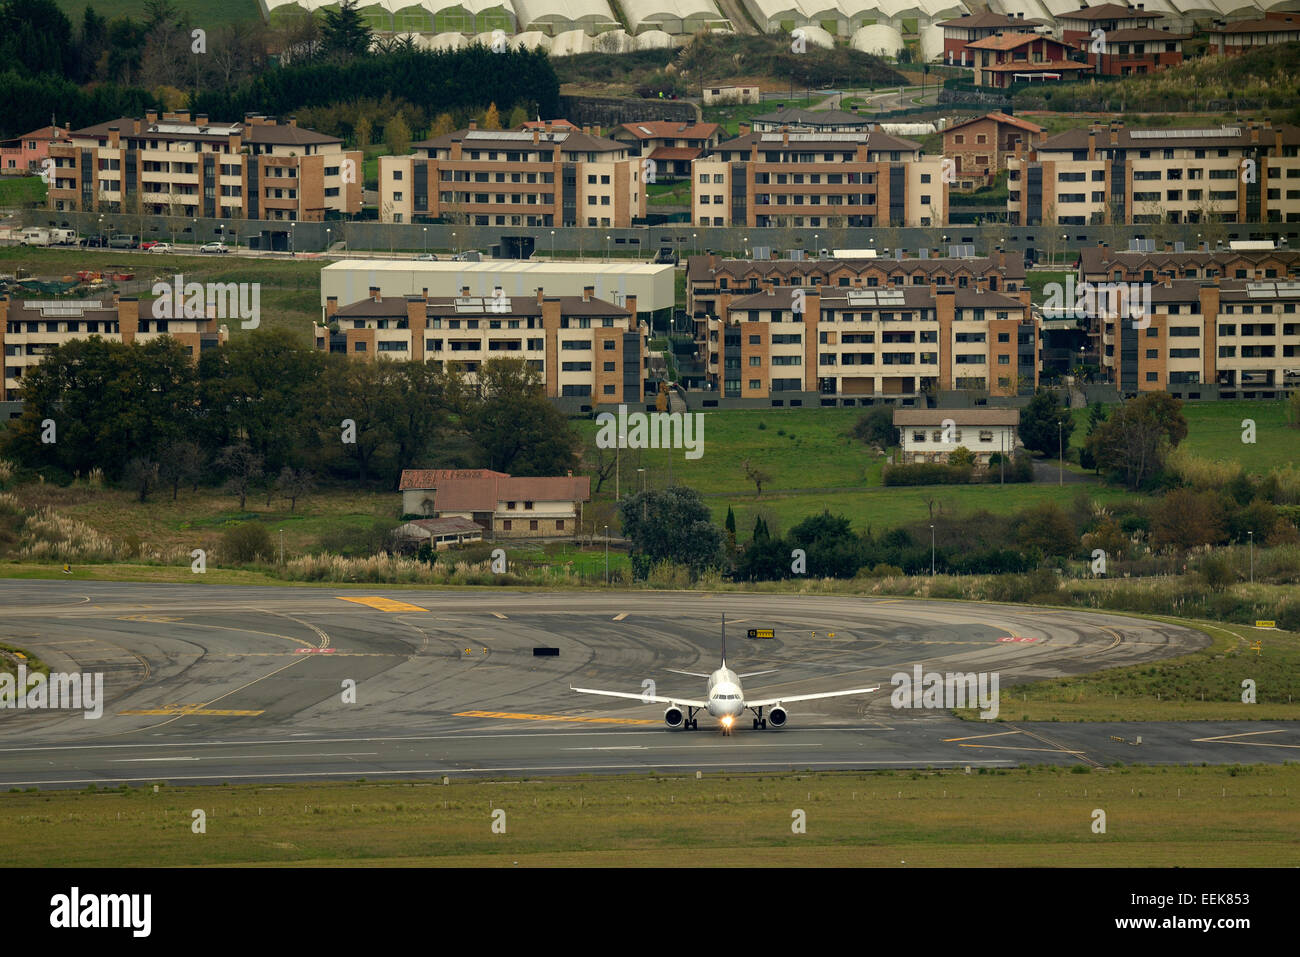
<point>146,618</point>
<point>501,616</point>
<point>1227,739</point>
<point>1007,747</point>
<point>549,717</point>
<point>974,737</point>
<point>620,616</point>
<point>382,604</point>
<point>187,709</point>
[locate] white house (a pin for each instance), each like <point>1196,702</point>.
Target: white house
<point>506,507</point>
<point>931,435</point>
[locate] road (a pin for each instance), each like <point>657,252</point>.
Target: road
<point>217,683</point>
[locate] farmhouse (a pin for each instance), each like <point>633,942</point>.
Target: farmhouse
<point>931,435</point>
<point>501,505</point>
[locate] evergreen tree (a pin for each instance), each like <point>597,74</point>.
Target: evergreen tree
<point>344,32</point>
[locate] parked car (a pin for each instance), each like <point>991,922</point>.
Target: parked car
<point>124,242</point>
<point>157,247</point>
<point>426,258</point>
<point>94,242</point>
<point>214,248</point>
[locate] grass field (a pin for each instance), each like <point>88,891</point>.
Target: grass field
<point>1156,817</point>
<point>202,13</point>
<point>22,191</point>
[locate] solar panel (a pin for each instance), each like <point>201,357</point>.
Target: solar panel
<point>1185,134</point>
<point>814,137</point>
<point>522,136</point>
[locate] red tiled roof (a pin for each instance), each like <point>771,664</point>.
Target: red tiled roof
<point>676,153</point>
<point>999,118</point>
<point>429,478</point>
<point>479,490</point>
<point>1010,41</point>
<point>670,129</point>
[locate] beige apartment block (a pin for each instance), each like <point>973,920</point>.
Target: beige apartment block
<point>1107,173</point>
<point>529,177</point>
<point>31,329</point>
<point>185,166</point>
<point>585,348</point>
<point>813,179</point>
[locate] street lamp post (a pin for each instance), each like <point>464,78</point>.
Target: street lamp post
<point>606,554</point>
<point>425,231</point>
<point>1252,556</point>
<point>607,248</point>
<point>932,551</point>
<point>454,244</point>
<point>328,241</point>
<point>694,244</point>
<point>1060,451</point>
<point>817,249</point>
<point>552,245</point>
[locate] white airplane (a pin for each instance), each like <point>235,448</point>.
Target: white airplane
<point>724,698</point>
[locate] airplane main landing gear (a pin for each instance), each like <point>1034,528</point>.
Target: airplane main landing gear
<point>760,722</point>
<point>691,723</point>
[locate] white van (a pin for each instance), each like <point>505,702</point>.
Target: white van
<point>63,237</point>
<point>35,236</point>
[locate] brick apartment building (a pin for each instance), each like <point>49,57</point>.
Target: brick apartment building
<point>792,179</point>
<point>31,329</point>
<point>1241,36</point>
<point>1108,173</point>
<point>182,165</point>
<point>979,147</point>
<point>1077,25</point>
<point>530,177</point>
<point>588,351</point>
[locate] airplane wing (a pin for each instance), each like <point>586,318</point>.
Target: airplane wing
<point>689,674</point>
<point>755,674</point>
<point>643,698</point>
<point>786,699</point>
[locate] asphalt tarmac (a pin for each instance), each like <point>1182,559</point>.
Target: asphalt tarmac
<point>215,683</point>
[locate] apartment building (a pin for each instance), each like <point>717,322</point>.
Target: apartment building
<point>530,177</point>
<point>1134,52</point>
<point>1241,36</point>
<point>182,165</point>
<point>1216,338</point>
<point>31,330</point>
<point>958,34</point>
<point>1107,173</point>
<point>810,121</point>
<point>848,346</point>
<point>1003,59</point>
<point>712,282</point>
<point>590,352</point>
<point>1100,263</point>
<point>1078,25</point>
<point>979,147</point>
<point>669,145</point>
<point>792,179</point>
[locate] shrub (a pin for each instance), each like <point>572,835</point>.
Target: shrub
<point>248,542</point>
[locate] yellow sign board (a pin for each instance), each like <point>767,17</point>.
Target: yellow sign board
<point>1265,624</point>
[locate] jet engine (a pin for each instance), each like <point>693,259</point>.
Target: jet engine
<point>776,717</point>
<point>673,717</point>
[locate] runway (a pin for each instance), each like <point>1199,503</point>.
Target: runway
<point>214,683</point>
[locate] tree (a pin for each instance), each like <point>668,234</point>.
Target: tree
<point>242,466</point>
<point>141,475</point>
<point>362,131</point>
<point>1046,528</point>
<point>1096,416</point>
<point>519,430</point>
<point>344,32</point>
<point>961,457</point>
<point>293,484</point>
<point>492,118</point>
<point>876,427</point>
<point>1185,518</point>
<point>730,524</point>
<point>1039,421</point>
<point>672,525</point>
<point>247,543</point>
<point>1133,442</point>
<point>756,475</point>
<point>443,125</point>
<point>397,135</point>
<point>180,463</point>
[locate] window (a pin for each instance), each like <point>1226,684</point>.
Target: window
<point>505,525</point>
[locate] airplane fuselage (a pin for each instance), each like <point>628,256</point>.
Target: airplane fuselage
<point>725,697</point>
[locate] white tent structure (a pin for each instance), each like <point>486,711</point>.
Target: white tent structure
<point>931,43</point>
<point>562,16</point>
<point>613,41</point>
<point>449,41</point>
<point>782,16</point>
<point>944,9</point>
<point>817,37</point>
<point>654,40</point>
<point>570,42</point>
<point>880,40</point>
<point>672,16</point>
<point>531,40</point>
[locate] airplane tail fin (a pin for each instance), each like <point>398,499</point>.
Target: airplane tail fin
<point>724,639</point>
